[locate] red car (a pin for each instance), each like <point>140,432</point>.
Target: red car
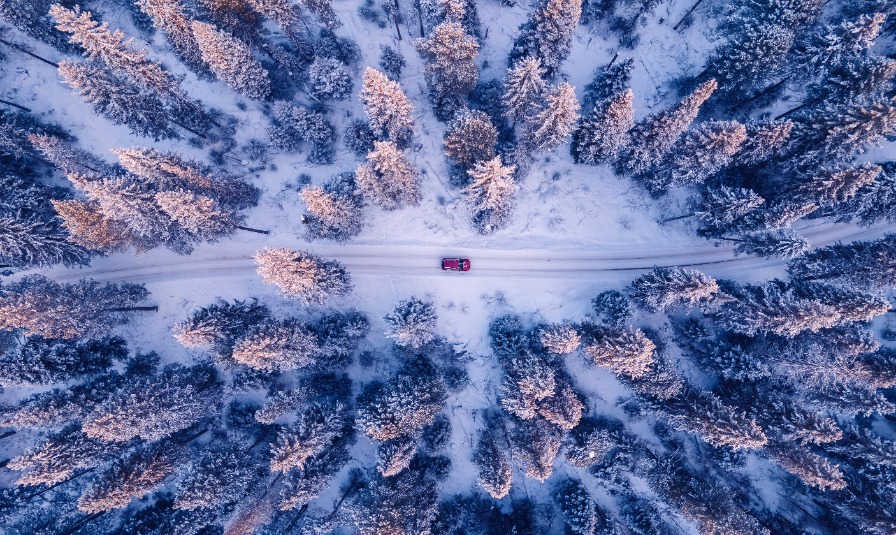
<point>455,264</point>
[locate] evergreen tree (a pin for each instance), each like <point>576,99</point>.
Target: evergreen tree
<point>613,309</point>
<point>402,406</point>
<point>722,206</point>
<point>451,73</point>
<point>835,131</point>
<point>490,194</point>
<point>582,515</point>
<point>772,308</point>
<point>38,361</point>
<point>402,504</point>
<point>412,323</point>
<point>831,187</point>
<point>603,133</point>
<point>495,471</point>
<point>756,53</point>
<point>872,203</point>
<point>31,19</point>
<point>301,486</point>
<point>154,407</point>
<point>783,243</point>
<point>170,17</point>
<point>323,10</point>
<point>391,62</point>
<point>220,325</point>
<point>864,265</point>
<point>592,441</point>
<point>34,242</point>
<point>812,469</point>
<point>387,107</point>
<point>863,77</point>
<point>387,178</point>
<point>87,309</point>
<point>315,430</point>
<point>331,215</point>
<point>624,351</point>
<point>291,125</point>
<point>608,83</point>
<point>831,46</point>
<point>664,288</point>
<point>764,141</point>
<point>59,456</point>
<point>551,126</point>
<point>719,425</point>
<point>277,346</point>
<point>60,407</point>
<point>132,476</point>
<point>329,79</point>
<point>560,339</point>
<point>218,477</point>
<point>470,138</point>
<point>68,158</point>
<point>118,99</point>
<point>653,137</point>
<point>394,456</point>
<point>700,153</point>
<point>303,276</point>
<point>536,444</point>
<point>524,89</point>
<point>231,61</point>
<point>548,33</point>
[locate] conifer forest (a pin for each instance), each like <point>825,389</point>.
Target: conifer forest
<point>447,267</point>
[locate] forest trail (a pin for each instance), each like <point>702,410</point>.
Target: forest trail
<point>235,259</point>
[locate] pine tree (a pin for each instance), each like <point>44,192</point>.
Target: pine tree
<point>154,407</point>
<point>329,79</point>
<point>68,158</point>
<point>31,19</point>
<point>303,276</point>
<point>719,425</point>
<point>118,99</point>
<point>218,477</point>
<point>864,265</point>
<point>831,46</point>
<point>291,125</point>
<point>872,203</point>
<point>387,107</point>
<point>323,10</point>
<point>560,339</point>
<point>653,137</point>
<point>283,12</point>
<point>59,456</point>
<point>394,456</point>
<point>220,325</point>
<point>171,18</point>
<point>277,346</point>
<point>722,206</point>
<point>451,73</point>
<point>39,361</point>
<point>783,243</point>
<point>548,33</point>
<point>495,471</point>
<point>625,352</point>
<point>89,228</point>
<point>811,468</point>
<point>315,430</point>
<point>863,77</point>
<point>664,288</point>
<point>200,216</point>
<point>490,194</point>
<point>773,309</point>
<point>591,441</point>
<point>132,476</point>
<point>231,61</point>
<point>402,406</point>
<point>412,323</point>
<point>387,178</point>
<point>764,141</point>
<point>850,305</point>
<point>402,504</point>
<point>551,126</point>
<point>831,187</point>
<point>608,83</point>
<point>601,135</point>
<point>756,54</point>
<point>301,486</point>
<point>536,444</point>
<point>34,242</point>
<point>330,215</point>
<point>581,513</point>
<point>87,309</point>
<point>524,88</point>
<point>613,309</point>
<point>470,138</point>
<point>836,131</point>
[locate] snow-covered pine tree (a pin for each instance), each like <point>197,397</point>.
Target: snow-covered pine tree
<point>67,157</point>
<point>495,471</point>
<point>387,179</point>
<point>89,228</point>
<point>581,514</point>
<point>40,361</point>
<point>860,305</point>
<point>831,46</point>
<point>773,308</point>
<point>405,503</point>
<point>602,134</point>
<point>59,456</point>
<point>331,215</point>
<point>221,475</point>
<point>718,424</point>
<point>118,99</point>
<point>323,10</point>
<point>395,455</point>
<point>30,17</point>
<point>291,125</point>
<point>412,323</point>
<point>470,138</point>
<point>590,442</point>
<point>699,154</point>
<point>756,53</point>
<point>232,62</point>
<point>315,430</point>
<point>835,131</point>
<point>277,346</point>
<point>86,309</point>
<point>624,351</point>
<point>813,469</point>
<point>536,444</point>
<point>608,82</point>
<point>865,77</point>
<point>613,309</point>
<point>560,339</point>
<point>387,107</point>
<point>284,13</point>
<point>199,215</point>
<point>403,405</point>
<point>830,187</point>
<point>303,276</point>
<point>153,407</point>
<point>862,265</point>
<point>653,137</point>
<point>524,88</point>
<point>35,242</point>
<point>130,477</point>
<point>547,35</point>
<point>220,325</point>
<point>449,55</point>
<point>874,202</point>
<point>329,79</point>
<point>554,123</point>
<point>722,206</point>
<point>783,243</point>
<point>170,17</point>
<point>764,141</point>
<point>391,62</point>
<point>301,486</point>
<point>490,194</point>
<point>664,288</point>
